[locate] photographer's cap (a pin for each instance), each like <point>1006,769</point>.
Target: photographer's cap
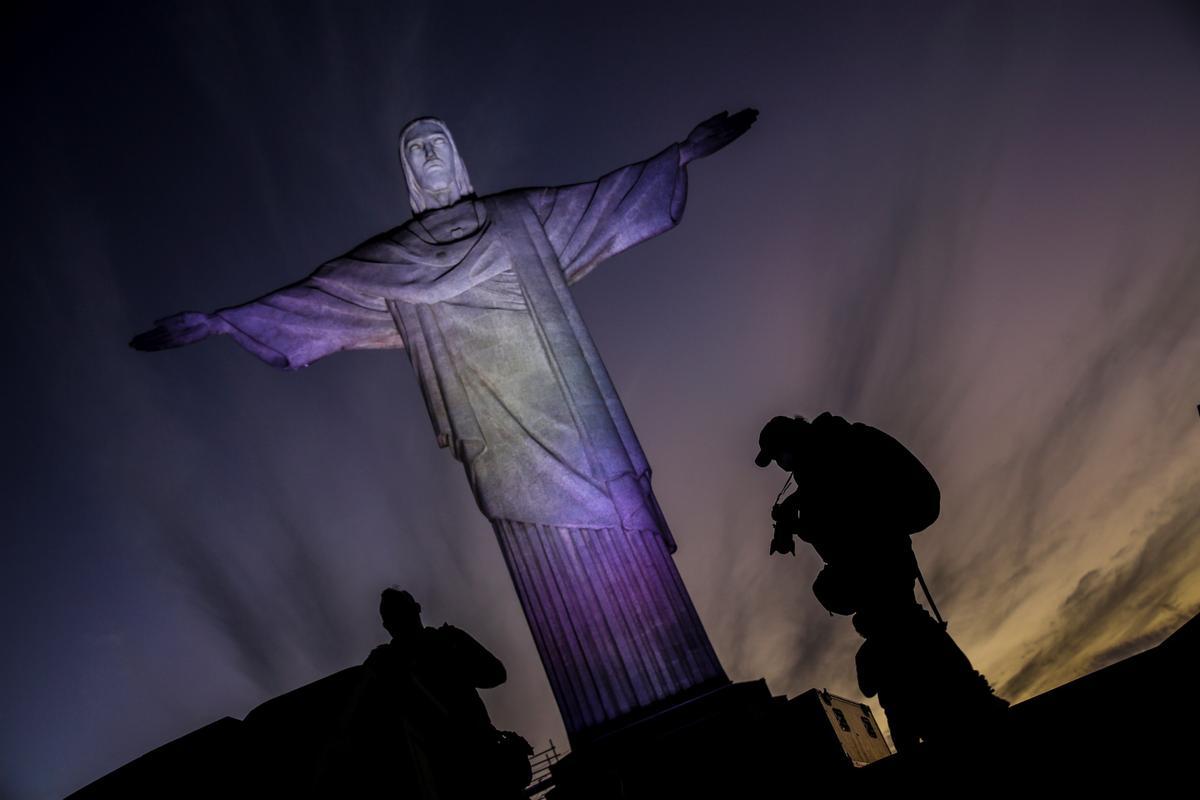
<point>772,434</point>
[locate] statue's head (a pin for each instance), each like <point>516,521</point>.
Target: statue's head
<point>435,173</point>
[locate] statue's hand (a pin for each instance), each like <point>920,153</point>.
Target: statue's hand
<point>187,327</point>
<point>714,133</point>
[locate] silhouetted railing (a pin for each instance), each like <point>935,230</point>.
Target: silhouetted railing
<point>540,762</point>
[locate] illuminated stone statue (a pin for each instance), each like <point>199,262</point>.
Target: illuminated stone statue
<point>476,290</point>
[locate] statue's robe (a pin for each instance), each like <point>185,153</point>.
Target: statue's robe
<point>516,389</point>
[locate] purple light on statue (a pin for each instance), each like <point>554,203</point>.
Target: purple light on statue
<point>476,291</point>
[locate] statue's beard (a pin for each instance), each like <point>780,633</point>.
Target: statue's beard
<point>437,182</point>
<point>430,191</point>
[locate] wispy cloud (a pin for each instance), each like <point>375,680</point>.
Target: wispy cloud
<point>1120,610</point>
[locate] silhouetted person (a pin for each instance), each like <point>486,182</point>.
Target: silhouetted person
<point>859,496</point>
<point>925,683</point>
<point>434,675</point>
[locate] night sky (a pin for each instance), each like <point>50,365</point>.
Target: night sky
<point>973,225</point>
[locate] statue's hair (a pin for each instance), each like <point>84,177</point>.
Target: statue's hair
<point>416,195</point>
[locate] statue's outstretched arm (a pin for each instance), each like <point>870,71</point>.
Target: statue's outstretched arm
<point>186,327</point>
<point>714,133</point>
<point>341,306</point>
<point>289,328</point>
<point>589,222</point>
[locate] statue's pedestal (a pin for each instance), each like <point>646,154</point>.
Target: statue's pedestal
<point>735,741</point>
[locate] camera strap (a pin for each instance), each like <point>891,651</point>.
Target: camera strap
<point>928,596</point>
<point>786,484</point>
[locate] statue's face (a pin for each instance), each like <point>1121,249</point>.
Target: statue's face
<point>430,156</point>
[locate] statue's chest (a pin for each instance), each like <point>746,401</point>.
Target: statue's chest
<point>452,224</point>
<point>500,292</point>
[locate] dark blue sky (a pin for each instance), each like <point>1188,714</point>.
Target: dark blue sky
<point>972,225</point>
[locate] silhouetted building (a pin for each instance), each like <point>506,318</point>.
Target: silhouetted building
<point>203,763</point>
<point>851,726</point>
<point>1126,725</point>
<point>1118,725</point>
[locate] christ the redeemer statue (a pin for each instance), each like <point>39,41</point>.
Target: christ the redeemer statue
<point>476,290</point>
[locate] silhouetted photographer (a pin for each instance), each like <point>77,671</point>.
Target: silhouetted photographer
<point>433,676</point>
<point>860,495</point>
